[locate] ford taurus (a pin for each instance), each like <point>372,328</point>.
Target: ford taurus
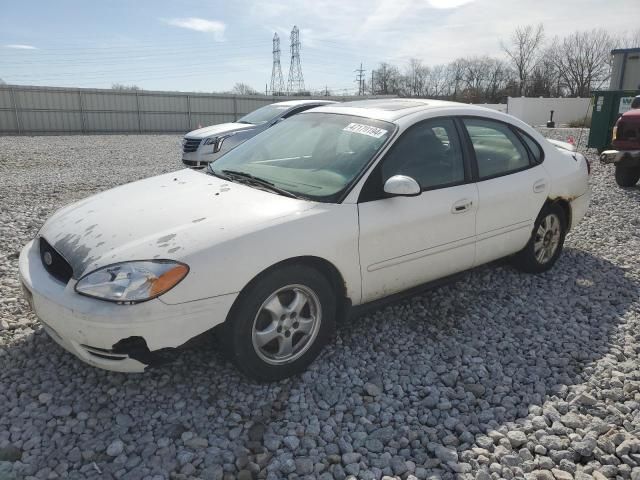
<point>338,206</point>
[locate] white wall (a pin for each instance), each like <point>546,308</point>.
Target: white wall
<point>535,111</point>
<point>501,107</point>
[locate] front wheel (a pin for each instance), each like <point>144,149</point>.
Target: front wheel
<point>627,176</point>
<point>280,323</point>
<point>546,242</point>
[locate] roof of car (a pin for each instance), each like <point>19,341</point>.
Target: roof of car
<point>389,109</point>
<point>295,103</point>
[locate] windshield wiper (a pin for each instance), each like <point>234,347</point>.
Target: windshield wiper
<point>244,121</point>
<point>248,178</point>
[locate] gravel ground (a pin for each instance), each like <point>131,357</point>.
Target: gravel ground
<point>500,375</point>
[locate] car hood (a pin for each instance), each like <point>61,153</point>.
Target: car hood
<point>168,216</point>
<point>218,129</point>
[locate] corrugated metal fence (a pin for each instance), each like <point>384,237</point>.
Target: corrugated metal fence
<point>26,110</point>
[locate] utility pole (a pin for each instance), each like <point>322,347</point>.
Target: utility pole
<point>277,83</point>
<point>360,79</point>
<point>295,83</point>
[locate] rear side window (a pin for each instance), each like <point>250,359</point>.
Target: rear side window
<point>534,148</point>
<point>498,149</point>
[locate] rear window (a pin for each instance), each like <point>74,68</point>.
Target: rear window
<point>534,148</point>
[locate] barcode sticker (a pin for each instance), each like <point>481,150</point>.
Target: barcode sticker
<point>374,132</point>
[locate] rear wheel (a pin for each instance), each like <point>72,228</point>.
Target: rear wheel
<point>281,322</point>
<point>627,176</point>
<point>546,242</point>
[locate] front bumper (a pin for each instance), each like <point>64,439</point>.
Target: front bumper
<point>201,157</point>
<point>627,158</point>
<point>123,338</point>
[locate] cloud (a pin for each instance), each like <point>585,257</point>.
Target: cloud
<point>446,4</point>
<point>200,25</point>
<point>21,47</point>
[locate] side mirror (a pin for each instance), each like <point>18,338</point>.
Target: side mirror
<point>403,186</point>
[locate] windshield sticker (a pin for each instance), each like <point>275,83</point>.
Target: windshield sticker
<point>374,132</point>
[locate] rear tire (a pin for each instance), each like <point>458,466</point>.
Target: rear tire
<point>546,242</point>
<point>280,322</point>
<point>627,176</point>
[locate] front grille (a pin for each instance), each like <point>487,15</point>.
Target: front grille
<point>54,263</point>
<point>190,145</point>
<point>194,163</point>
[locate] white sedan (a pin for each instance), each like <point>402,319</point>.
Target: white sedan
<point>336,207</point>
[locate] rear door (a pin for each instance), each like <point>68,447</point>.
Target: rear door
<point>512,187</point>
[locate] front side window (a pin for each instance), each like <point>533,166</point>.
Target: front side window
<point>498,149</point>
<point>428,152</point>
<point>314,155</point>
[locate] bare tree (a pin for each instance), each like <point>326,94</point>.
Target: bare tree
<point>120,86</point>
<point>628,40</point>
<point>523,51</point>
<point>2,82</point>
<point>545,78</point>
<point>583,60</point>
<point>415,78</point>
<point>243,89</point>
<point>455,75</point>
<point>386,79</point>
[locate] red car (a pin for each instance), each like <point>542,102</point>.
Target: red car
<point>626,141</point>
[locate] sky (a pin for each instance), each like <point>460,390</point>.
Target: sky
<point>207,45</point>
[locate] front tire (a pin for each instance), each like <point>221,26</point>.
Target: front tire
<point>546,242</point>
<point>627,176</point>
<point>280,322</point>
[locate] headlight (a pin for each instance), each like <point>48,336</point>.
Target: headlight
<point>132,282</point>
<point>217,141</point>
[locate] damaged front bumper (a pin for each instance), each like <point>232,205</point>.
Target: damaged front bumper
<point>123,338</point>
<point>627,158</point>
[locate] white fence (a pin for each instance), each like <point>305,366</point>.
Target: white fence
<point>26,110</point>
<point>536,111</point>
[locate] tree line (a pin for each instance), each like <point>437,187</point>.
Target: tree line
<point>532,66</point>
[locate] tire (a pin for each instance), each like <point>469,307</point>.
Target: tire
<point>540,254</point>
<point>251,334</point>
<point>627,176</point>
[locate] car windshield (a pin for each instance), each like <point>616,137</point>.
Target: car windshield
<point>264,114</point>
<point>313,155</point>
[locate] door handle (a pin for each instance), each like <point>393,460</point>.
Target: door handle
<point>461,206</point>
<point>540,186</point>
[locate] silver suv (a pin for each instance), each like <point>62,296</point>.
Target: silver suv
<point>203,146</point>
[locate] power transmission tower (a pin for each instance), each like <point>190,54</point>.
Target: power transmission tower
<point>295,83</point>
<point>277,83</point>
<point>360,79</point>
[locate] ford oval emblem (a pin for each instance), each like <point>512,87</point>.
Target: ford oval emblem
<point>48,259</point>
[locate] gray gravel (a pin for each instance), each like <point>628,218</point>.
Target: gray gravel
<point>500,375</point>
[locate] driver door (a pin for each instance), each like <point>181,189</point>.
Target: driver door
<point>407,241</point>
